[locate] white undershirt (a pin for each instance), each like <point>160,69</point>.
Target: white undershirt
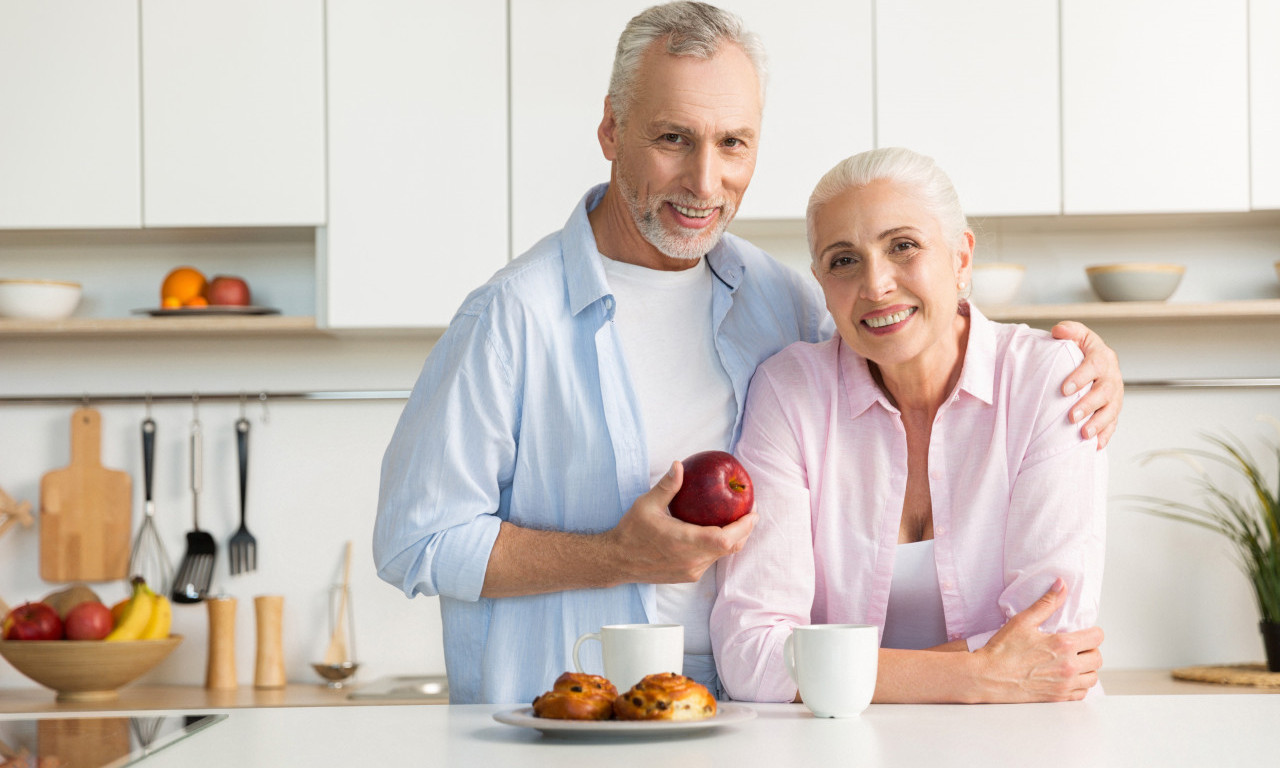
<point>914,619</point>
<point>686,398</point>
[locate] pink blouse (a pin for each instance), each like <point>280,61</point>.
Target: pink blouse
<point>1018,500</point>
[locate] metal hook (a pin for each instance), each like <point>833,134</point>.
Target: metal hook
<point>148,405</point>
<point>243,398</point>
<point>84,400</point>
<point>195,407</point>
<point>262,397</point>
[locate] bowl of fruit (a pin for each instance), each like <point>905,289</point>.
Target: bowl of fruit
<point>73,643</point>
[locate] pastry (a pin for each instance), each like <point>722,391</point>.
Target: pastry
<point>665,696</point>
<point>577,696</point>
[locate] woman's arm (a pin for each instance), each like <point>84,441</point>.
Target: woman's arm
<point>1020,663</point>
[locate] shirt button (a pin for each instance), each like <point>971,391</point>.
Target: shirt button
<point>947,586</point>
<point>608,303</point>
<point>940,531</point>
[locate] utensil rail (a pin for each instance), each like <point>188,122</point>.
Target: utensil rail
<point>403,394</point>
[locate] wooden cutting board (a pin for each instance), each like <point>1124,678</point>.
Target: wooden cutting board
<point>85,511</point>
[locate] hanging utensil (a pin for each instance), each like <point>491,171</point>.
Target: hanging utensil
<point>149,558</point>
<point>196,570</point>
<point>243,547</point>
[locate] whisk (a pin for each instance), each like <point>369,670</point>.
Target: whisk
<point>149,559</point>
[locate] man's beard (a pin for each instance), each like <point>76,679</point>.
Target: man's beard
<point>684,244</point>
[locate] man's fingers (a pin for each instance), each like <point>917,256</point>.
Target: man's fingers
<point>668,484</point>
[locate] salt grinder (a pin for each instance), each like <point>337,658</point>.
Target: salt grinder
<point>269,670</point>
<point>220,674</point>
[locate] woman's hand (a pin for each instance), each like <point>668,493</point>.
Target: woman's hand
<point>1020,663</point>
<point>1099,410</point>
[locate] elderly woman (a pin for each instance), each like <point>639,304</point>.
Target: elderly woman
<point>918,472</point>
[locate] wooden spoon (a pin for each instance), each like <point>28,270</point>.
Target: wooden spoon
<point>336,653</point>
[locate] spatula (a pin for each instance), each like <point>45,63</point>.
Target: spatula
<point>336,653</point>
<point>191,583</point>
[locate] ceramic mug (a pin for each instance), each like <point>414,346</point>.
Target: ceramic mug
<point>834,665</point>
<point>632,651</point>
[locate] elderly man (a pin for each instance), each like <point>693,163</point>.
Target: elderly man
<point>527,481</point>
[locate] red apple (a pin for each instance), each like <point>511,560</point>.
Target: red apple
<point>33,621</point>
<point>89,620</point>
<point>716,490</point>
<point>226,291</point>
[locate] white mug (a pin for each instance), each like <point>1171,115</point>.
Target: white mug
<point>632,651</point>
<point>834,665</point>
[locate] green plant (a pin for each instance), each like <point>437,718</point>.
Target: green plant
<point>1251,522</point>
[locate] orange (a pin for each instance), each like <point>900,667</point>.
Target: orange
<point>183,284</point>
<point>197,301</point>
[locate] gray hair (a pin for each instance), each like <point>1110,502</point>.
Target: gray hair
<point>912,170</point>
<point>690,29</point>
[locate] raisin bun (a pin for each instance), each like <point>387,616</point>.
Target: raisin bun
<point>665,696</point>
<point>576,696</point>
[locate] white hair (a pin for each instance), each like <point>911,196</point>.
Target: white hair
<point>689,29</point>
<point>918,173</point>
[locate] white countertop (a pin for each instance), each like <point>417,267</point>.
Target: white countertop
<point>1168,731</point>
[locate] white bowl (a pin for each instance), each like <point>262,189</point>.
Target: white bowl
<point>996,283</point>
<point>1135,282</point>
<point>38,299</point>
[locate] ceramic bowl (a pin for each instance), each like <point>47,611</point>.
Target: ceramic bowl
<point>996,283</point>
<point>38,299</point>
<point>1135,282</point>
<point>86,670</point>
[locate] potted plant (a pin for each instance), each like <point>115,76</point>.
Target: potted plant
<point>1250,521</point>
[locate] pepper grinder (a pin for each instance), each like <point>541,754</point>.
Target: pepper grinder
<point>269,670</point>
<point>221,671</point>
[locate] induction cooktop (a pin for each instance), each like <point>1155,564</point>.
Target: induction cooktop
<point>93,742</point>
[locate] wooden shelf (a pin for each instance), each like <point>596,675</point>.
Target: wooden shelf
<point>1136,310</point>
<point>207,325</point>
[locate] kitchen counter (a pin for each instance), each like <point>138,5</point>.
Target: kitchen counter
<point>1117,682</point>
<point>1169,731</point>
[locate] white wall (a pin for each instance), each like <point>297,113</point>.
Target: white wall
<point>1171,597</point>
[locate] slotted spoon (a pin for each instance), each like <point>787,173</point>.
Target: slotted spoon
<point>196,570</point>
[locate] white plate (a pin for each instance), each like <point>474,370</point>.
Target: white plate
<point>726,714</point>
<point>212,310</point>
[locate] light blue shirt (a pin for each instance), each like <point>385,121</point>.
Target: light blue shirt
<point>525,412</point>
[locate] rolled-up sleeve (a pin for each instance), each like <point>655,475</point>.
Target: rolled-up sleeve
<point>452,453</point>
<point>767,588</point>
<point>1056,524</point>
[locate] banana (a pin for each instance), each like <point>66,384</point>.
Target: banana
<point>136,614</point>
<point>161,617</point>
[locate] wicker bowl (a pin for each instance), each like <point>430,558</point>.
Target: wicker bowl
<point>1135,282</point>
<point>86,670</point>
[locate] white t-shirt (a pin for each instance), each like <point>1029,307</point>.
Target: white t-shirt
<point>686,398</point>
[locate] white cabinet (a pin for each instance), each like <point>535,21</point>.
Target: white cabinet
<point>1155,106</point>
<point>233,112</point>
<point>1264,86</point>
<point>976,87</point>
<point>817,108</point>
<point>561,56</point>
<point>69,137</point>
<point>417,160</point>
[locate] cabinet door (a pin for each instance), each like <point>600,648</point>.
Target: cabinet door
<point>69,140</point>
<point>233,112</point>
<point>417,160</point>
<point>975,86</point>
<point>561,57</point>
<point>1264,86</point>
<point>818,107</point>
<point>1155,106</point>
